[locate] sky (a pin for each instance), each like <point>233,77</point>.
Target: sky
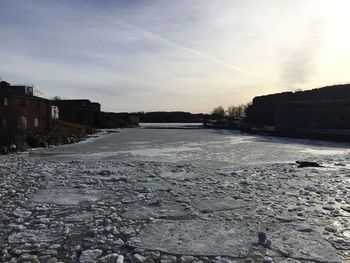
<point>165,55</point>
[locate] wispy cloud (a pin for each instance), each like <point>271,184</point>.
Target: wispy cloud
<point>167,55</point>
<point>298,62</point>
<point>113,20</point>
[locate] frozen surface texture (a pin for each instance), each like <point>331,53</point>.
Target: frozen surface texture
<point>220,204</point>
<point>66,196</point>
<point>303,243</point>
<point>198,237</point>
<point>147,196</point>
<point>165,210</point>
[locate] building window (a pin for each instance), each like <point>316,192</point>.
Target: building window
<point>54,112</point>
<point>5,101</point>
<point>4,123</point>
<point>38,104</point>
<point>36,122</point>
<point>22,123</point>
<point>23,103</point>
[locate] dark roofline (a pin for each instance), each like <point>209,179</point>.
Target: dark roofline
<point>77,102</point>
<point>26,96</point>
<point>73,100</point>
<point>316,90</point>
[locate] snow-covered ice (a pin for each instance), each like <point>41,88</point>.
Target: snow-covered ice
<point>147,195</point>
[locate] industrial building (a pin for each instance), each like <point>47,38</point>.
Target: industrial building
<point>21,111</point>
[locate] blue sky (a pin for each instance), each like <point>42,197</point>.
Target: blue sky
<point>187,55</point>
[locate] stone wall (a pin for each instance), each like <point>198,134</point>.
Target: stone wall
<point>263,109</point>
<point>109,120</point>
<point>303,109</point>
<point>333,114</point>
<point>83,112</point>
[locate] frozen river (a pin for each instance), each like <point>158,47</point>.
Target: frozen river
<point>204,147</point>
<point>176,195</point>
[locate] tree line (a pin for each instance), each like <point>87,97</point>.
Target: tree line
<point>231,112</point>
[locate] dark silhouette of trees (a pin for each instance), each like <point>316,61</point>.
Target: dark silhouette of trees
<point>232,111</point>
<point>172,117</point>
<point>56,98</point>
<point>237,111</point>
<point>218,112</point>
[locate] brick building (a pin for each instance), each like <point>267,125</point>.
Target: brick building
<point>21,111</point>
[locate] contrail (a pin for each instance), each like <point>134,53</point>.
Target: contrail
<point>110,19</point>
<point>190,50</point>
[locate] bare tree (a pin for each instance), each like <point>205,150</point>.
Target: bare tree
<point>241,110</point>
<point>232,111</point>
<point>246,108</point>
<point>56,98</point>
<point>237,111</point>
<point>218,112</point>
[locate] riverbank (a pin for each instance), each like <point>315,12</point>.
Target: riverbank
<point>171,126</point>
<point>61,132</point>
<point>310,134</point>
<point>332,135</point>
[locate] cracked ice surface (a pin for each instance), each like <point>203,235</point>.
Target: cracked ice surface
<point>31,236</point>
<point>67,196</point>
<point>303,243</point>
<point>197,237</point>
<point>167,210</point>
<point>217,204</point>
<point>204,196</point>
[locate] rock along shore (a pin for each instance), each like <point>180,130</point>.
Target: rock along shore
<point>60,133</point>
